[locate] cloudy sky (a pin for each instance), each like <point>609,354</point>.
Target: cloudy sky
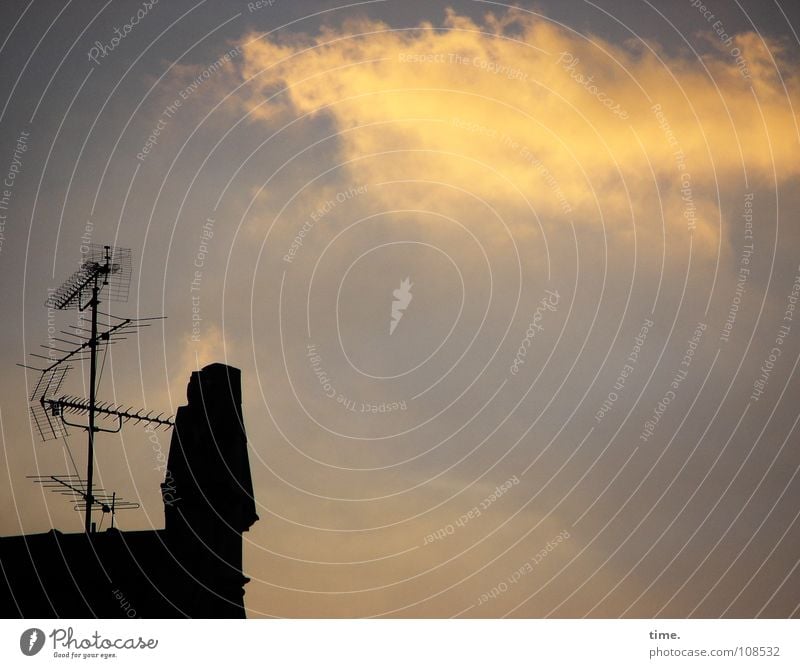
<point>512,289</point>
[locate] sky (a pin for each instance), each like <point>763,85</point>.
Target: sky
<point>514,289</point>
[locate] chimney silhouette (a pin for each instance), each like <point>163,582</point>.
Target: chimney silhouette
<point>208,491</point>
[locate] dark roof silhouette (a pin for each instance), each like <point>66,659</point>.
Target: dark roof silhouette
<point>191,568</point>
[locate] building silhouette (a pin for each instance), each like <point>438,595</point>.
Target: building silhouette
<point>191,568</point>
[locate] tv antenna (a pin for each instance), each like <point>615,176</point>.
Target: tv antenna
<point>70,486</point>
<point>102,268</point>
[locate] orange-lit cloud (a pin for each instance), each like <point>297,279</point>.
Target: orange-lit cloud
<point>514,107</point>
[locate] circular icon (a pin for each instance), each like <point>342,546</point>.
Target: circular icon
<point>31,641</point>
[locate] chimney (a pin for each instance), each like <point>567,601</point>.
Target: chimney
<point>208,491</point>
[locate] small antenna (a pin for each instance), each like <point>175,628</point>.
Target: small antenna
<point>49,384</point>
<point>49,429</point>
<point>111,263</point>
<point>70,486</point>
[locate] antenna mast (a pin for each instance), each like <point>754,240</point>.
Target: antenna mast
<point>93,304</point>
<point>101,267</point>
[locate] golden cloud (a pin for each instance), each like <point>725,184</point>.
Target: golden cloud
<point>514,107</point>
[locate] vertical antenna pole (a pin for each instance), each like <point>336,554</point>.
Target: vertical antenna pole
<point>106,269</point>
<point>92,383</point>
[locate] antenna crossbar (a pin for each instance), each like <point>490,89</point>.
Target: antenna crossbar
<point>81,405</point>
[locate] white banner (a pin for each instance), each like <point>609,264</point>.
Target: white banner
<point>400,643</point>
